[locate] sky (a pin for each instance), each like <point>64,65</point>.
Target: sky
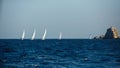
<point>74,18</point>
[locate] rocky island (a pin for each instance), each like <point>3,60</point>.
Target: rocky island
<point>112,33</point>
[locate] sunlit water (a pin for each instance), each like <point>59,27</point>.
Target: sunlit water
<point>67,53</point>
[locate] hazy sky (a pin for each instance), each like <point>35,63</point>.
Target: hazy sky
<point>74,18</point>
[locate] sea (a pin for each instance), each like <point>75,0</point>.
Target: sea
<point>65,53</point>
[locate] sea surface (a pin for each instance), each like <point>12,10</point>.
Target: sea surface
<point>65,53</point>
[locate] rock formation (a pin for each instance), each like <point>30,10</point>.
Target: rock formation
<point>112,33</point>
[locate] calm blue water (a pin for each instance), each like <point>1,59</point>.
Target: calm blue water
<point>72,53</point>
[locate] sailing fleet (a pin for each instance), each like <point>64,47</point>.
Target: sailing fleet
<point>43,37</point>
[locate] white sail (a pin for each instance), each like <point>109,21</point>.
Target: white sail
<point>33,36</point>
<point>60,36</point>
<point>23,35</point>
<point>43,37</point>
<point>90,37</point>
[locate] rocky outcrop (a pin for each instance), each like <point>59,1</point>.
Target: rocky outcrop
<point>99,37</point>
<point>112,33</point>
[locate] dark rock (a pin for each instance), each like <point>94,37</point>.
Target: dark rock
<point>112,33</point>
<point>96,37</point>
<point>99,37</point>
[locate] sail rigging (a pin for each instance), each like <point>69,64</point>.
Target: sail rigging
<point>60,36</point>
<point>90,37</point>
<point>23,35</point>
<point>44,35</point>
<point>33,36</point>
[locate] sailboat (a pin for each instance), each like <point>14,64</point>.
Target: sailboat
<point>23,35</point>
<point>33,36</point>
<point>90,37</point>
<point>60,36</point>
<point>44,35</point>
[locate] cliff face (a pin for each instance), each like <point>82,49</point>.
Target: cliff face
<point>112,33</point>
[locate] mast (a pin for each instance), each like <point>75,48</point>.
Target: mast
<point>33,36</point>
<point>44,35</point>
